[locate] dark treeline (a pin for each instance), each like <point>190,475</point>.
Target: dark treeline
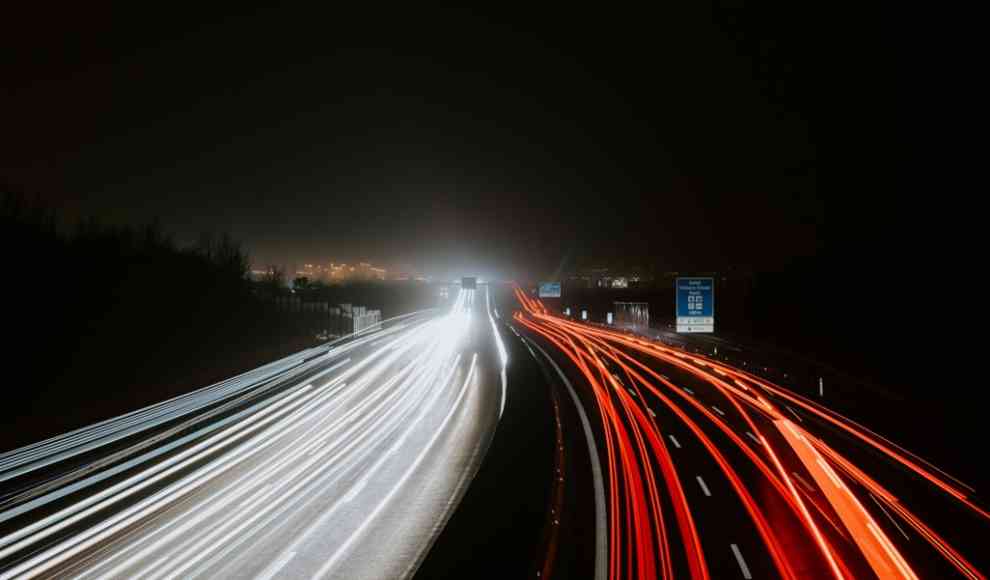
<point>101,319</point>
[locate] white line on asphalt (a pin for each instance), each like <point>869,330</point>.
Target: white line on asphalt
<point>892,520</point>
<point>503,354</point>
<point>688,391</point>
<point>742,563</point>
<point>798,417</point>
<point>650,411</point>
<point>704,487</point>
<point>753,437</point>
<point>674,441</point>
<point>719,411</point>
<point>802,481</point>
<point>601,528</point>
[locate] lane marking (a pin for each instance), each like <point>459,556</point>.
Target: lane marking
<point>753,437</point>
<point>503,354</point>
<point>740,561</point>
<point>793,412</point>
<point>650,411</point>
<point>601,526</point>
<point>704,487</point>
<point>892,520</point>
<point>674,441</point>
<point>802,481</point>
<point>719,411</point>
<point>688,391</point>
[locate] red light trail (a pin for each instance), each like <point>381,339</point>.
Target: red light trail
<point>839,538</point>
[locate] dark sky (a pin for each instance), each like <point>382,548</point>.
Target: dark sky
<point>508,142</point>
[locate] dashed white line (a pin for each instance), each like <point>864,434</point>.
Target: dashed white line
<point>793,412</point>
<point>753,437</point>
<point>674,441</point>
<point>704,487</point>
<point>719,411</point>
<point>742,563</point>
<point>688,391</point>
<point>802,481</point>
<point>650,411</point>
<point>892,520</point>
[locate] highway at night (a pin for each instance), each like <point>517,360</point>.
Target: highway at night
<point>346,292</point>
<point>712,471</point>
<point>340,461</point>
<point>490,425</point>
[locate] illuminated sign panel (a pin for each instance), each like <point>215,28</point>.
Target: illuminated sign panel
<point>549,289</point>
<point>695,304</point>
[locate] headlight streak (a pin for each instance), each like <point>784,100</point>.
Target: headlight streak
<point>227,537</point>
<point>65,490</point>
<point>192,555</point>
<point>142,479</point>
<point>338,434</point>
<point>88,439</point>
<point>61,447</point>
<point>325,570</point>
<point>55,555</point>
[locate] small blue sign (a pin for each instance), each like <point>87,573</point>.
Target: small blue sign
<point>695,308</point>
<point>549,289</point>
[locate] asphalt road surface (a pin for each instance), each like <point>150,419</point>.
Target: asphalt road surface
<point>340,461</point>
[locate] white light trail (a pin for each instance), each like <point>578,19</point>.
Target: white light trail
<point>203,502</point>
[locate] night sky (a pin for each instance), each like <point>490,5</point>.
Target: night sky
<point>506,143</point>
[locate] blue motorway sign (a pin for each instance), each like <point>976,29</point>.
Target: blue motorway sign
<point>695,304</point>
<point>549,289</point>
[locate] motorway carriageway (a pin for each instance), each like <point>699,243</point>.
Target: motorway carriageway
<point>711,471</point>
<point>340,461</point>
